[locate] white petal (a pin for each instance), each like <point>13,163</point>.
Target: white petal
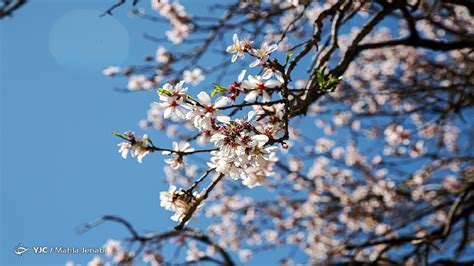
<point>250,115</point>
<point>241,75</point>
<point>255,63</point>
<point>251,96</point>
<point>167,112</point>
<point>247,84</point>
<point>217,137</point>
<point>179,86</point>
<point>266,97</point>
<point>272,48</point>
<point>179,113</point>
<point>172,189</point>
<point>279,76</point>
<point>164,98</point>
<point>223,119</point>
<point>268,74</point>
<point>261,139</point>
<point>184,146</point>
<point>175,146</point>
<point>197,71</point>
<point>220,102</point>
<point>167,87</point>
<point>253,80</point>
<point>204,98</point>
<point>235,38</point>
<point>272,83</point>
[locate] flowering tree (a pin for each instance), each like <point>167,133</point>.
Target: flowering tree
<point>353,116</point>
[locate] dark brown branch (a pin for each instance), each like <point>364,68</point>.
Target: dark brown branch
<point>8,9</point>
<point>196,204</point>
<point>118,4</point>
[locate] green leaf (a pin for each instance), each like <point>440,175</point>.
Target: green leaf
<point>164,91</point>
<point>120,135</point>
<point>288,57</point>
<point>218,89</point>
<point>327,83</point>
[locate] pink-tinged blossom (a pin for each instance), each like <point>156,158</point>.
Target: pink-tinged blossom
<point>323,145</point>
<point>195,77</point>
<point>177,201</point>
<point>111,71</point>
<point>161,55</point>
<point>193,253</point>
<point>179,149</point>
<point>204,114</point>
<point>125,148</point>
<point>237,49</point>
<point>257,87</point>
<point>178,18</point>
<point>154,259</point>
<point>451,184</point>
<point>243,155</point>
<point>244,255</point>
<point>138,82</point>
<point>417,150</point>
<point>137,146</point>
<point>96,261</point>
<point>115,250</point>
<point>235,88</point>
<point>173,101</point>
<point>270,72</point>
<point>262,54</point>
<point>396,134</point>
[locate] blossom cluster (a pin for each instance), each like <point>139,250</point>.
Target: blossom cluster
<point>240,47</point>
<point>138,147</point>
<point>178,201</point>
<point>178,18</point>
<point>243,151</point>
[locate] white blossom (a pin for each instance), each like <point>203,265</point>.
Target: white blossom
<point>174,101</point>
<point>259,87</point>
<point>262,53</point>
<point>96,261</point>
<point>203,114</point>
<point>270,72</point>
<point>195,77</point>
<point>161,55</point>
<point>178,149</point>
<point>237,48</point>
<point>177,201</point>
<point>111,71</point>
<point>137,82</point>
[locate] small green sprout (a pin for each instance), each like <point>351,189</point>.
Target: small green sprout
<point>327,83</point>
<point>218,89</point>
<point>164,91</point>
